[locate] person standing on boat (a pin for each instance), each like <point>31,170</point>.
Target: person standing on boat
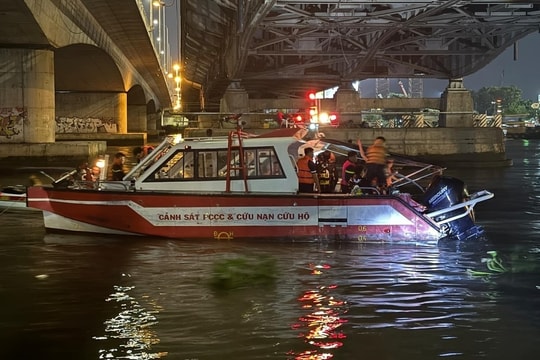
<point>349,168</point>
<point>117,168</point>
<point>375,157</point>
<point>334,176</point>
<point>140,152</point>
<point>323,172</point>
<point>307,173</point>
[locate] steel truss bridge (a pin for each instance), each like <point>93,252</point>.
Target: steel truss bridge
<point>275,48</point>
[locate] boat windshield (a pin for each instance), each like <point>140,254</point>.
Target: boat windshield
<point>152,157</point>
<point>212,164</point>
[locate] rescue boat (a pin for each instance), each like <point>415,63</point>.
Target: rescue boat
<point>244,186</point>
<point>13,197</point>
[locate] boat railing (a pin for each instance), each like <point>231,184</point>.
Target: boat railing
<point>416,176</point>
<point>101,185</point>
<point>467,206</point>
<point>364,190</point>
<point>110,185</point>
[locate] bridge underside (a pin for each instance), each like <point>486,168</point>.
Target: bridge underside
<point>276,48</point>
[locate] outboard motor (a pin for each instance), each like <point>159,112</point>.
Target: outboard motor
<point>443,192</point>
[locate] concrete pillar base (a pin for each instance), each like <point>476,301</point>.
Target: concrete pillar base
<point>27,95</point>
<point>62,154</point>
<point>456,106</point>
<point>235,100</point>
<point>346,98</point>
<point>137,119</point>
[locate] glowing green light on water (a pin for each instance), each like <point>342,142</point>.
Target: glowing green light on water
<point>494,265</point>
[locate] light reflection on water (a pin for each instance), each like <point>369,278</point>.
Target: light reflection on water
<point>90,297</point>
<point>132,325</point>
<point>320,326</point>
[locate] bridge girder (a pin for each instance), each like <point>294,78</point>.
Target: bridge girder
<point>278,48</point>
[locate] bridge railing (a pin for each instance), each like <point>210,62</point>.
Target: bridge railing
<point>154,17</point>
<point>256,120</point>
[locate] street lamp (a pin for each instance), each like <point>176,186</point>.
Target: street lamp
<point>177,81</point>
<point>497,106</point>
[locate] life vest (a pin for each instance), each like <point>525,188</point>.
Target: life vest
<point>304,173</point>
<point>376,154</point>
<point>324,176</point>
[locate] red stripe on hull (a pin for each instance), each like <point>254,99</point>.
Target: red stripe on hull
<point>232,216</point>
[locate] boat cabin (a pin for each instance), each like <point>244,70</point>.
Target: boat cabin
<point>217,165</point>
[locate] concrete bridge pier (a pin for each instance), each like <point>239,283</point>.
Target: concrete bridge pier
<point>138,120</point>
<point>27,95</point>
<point>456,105</point>
<point>346,97</point>
<point>235,100</point>
<point>27,113</point>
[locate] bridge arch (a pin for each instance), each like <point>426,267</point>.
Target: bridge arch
<point>82,67</point>
<point>92,89</point>
<point>139,117</point>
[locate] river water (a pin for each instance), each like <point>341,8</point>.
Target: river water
<point>89,297</point>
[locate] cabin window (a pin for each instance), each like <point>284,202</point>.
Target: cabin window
<point>268,163</point>
<point>179,166</point>
<point>212,164</point>
<point>207,164</point>
<point>250,162</point>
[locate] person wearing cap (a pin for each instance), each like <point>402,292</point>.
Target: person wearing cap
<point>349,168</point>
<point>117,168</point>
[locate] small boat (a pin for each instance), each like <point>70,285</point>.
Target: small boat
<point>13,197</point>
<point>244,186</point>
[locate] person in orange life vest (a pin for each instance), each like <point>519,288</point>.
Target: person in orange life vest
<point>348,169</point>
<point>141,151</point>
<point>375,158</point>
<point>307,173</point>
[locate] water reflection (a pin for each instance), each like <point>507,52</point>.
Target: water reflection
<point>132,328</point>
<point>322,322</point>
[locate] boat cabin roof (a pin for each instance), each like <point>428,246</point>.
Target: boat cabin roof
<point>237,163</point>
<point>242,163</point>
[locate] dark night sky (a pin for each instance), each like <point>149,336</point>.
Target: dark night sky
<point>524,72</point>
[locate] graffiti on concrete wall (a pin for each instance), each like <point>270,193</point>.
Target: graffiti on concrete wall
<point>11,124</point>
<point>75,125</point>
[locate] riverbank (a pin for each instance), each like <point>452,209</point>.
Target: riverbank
<point>448,147</point>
